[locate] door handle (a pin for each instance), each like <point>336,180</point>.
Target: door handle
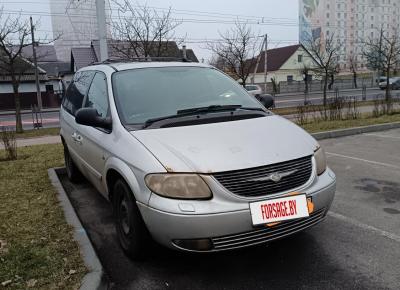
<point>77,138</point>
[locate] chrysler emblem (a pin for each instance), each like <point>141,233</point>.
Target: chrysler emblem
<point>275,177</point>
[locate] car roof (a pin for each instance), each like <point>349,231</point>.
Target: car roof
<point>121,66</point>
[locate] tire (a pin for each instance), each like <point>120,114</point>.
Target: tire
<point>131,230</point>
<point>73,172</point>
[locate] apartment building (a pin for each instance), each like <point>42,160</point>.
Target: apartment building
<point>352,22</point>
<point>74,22</point>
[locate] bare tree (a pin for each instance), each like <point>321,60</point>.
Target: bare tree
<point>383,54</point>
<point>237,50</point>
<point>326,53</point>
<point>14,36</point>
<point>353,62</point>
<point>140,31</point>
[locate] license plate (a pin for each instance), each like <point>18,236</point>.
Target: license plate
<point>279,209</point>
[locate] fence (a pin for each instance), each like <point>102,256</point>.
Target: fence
<point>317,85</point>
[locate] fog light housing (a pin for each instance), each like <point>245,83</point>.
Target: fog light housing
<point>195,244</point>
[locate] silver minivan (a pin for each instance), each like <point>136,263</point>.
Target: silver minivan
<point>188,158</point>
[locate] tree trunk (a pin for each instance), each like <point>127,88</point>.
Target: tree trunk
<point>325,88</point>
<point>306,84</point>
<point>355,79</point>
<point>325,95</point>
<point>387,96</point>
<point>331,82</point>
<point>18,119</point>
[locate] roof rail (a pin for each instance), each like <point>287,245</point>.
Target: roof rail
<point>142,59</point>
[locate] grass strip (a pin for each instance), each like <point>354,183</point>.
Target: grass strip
<point>39,133</point>
<point>37,248</point>
<point>365,120</point>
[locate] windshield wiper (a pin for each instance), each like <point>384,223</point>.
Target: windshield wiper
<point>193,111</point>
<point>212,108</point>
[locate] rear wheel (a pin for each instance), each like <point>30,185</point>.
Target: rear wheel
<point>73,172</point>
<point>132,233</point>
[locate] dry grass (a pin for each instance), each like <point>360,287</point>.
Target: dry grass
<point>37,248</point>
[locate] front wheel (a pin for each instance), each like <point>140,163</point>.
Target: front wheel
<point>132,233</point>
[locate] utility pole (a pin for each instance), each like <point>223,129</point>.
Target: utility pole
<point>265,62</point>
<point>101,27</point>
<point>38,93</point>
<point>263,46</point>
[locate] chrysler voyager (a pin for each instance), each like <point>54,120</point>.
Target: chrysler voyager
<point>188,158</point>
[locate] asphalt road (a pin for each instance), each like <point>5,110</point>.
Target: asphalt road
<point>356,247</point>
<point>49,120</point>
<point>285,100</point>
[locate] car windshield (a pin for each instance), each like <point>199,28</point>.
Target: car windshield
<point>251,88</point>
<point>143,94</point>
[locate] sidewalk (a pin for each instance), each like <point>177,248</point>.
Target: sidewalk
<point>36,141</point>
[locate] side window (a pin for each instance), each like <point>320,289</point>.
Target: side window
<point>97,96</point>
<point>76,91</point>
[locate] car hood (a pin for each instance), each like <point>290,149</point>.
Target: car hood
<point>227,146</point>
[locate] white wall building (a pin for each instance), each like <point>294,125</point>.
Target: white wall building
<point>351,22</point>
<point>75,22</point>
<point>285,64</point>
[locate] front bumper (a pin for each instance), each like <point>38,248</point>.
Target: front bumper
<point>228,229</point>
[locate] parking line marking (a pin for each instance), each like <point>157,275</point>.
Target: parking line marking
<point>356,223</point>
<point>382,136</point>
<point>364,160</point>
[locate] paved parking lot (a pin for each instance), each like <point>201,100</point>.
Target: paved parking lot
<point>357,246</point>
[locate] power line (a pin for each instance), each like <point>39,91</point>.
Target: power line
<point>189,20</point>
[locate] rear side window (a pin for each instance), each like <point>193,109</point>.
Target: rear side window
<point>97,96</point>
<point>76,91</point>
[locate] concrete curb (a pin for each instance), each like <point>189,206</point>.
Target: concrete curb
<point>93,279</point>
<point>355,131</point>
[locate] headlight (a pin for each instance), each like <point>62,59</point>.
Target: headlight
<point>320,159</point>
<point>181,186</point>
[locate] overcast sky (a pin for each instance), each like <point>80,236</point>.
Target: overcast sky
<point>282,16</point>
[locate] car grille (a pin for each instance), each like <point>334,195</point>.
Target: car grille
<point>268,233</point>
<point>241,182</point>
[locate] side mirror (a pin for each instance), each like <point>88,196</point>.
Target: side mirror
<point>266,100</point>
<point>90,117</point>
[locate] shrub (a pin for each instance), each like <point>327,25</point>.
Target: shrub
<point>10,143</point>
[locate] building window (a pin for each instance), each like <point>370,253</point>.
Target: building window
<point>300,58</point>
<point>289,79</point>
<point>49,88</point>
